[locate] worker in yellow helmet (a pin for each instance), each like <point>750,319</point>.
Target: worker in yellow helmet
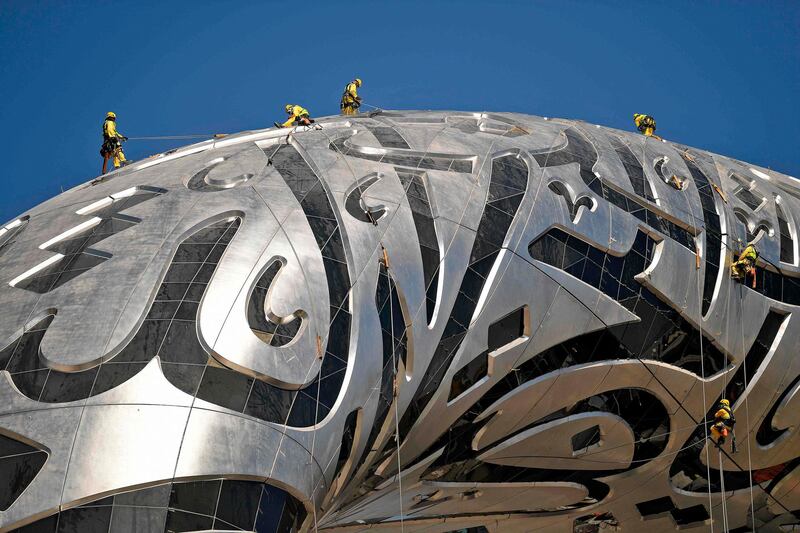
<point>645,124</point>
<point>112,142</point>
<point>350,99</point>
<point>746,264</point>
<point>723,421</point>
<point>298,116</point>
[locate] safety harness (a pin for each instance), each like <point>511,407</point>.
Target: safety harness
<point>110,144</point>
<point>731,420</point>
<point>348,100</point>
<point>647,122</point>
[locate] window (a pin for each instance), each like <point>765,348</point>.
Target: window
<point>787,242</point>
<point>583,440</point>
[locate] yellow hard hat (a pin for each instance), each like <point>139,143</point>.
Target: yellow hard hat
<point>358,82</point>
<point>725,402</point>
<point>288,108</point>
<point>111,114</point>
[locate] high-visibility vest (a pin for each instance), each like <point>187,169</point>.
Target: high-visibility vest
<point>110,130</point>
<point>350,93</point>
<point>298,111</point>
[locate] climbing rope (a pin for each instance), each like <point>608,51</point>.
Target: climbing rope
<point>747,414</point>
<point>725,392</point>
<point>314,438</point>
<point>395,386</point>
<point>703,370</point>
<point>725,526</point>
<point>179,137</point>
<point>746,406</point>
<point>376,110</point>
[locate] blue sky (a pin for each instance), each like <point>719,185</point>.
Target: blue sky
<point>722,75</point>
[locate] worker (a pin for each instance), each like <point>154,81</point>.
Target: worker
<point>746,264</point>
<point>297,115</point>
<point>350,99</point>
<point>112,142</point>
<point>645,124</point>
<point>723,420</point>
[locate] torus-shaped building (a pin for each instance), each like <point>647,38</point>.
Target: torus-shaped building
<point>404,321</point>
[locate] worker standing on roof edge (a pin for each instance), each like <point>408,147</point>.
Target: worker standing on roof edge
<point>350,99</point>
<point>297,115</point>
<point>112,142</point>
<point>723,420</point>
<point>746,264</point>
<point>646,125</point>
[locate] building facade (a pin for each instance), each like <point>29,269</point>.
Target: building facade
<point>418,321</point>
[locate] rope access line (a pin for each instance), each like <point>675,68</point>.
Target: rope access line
<point>395,387</point>
<point>179,137</point>
<point>728,246</point>
<point>691,417</point>
<point>702,372</point>
<point>702,366</point>
<point>746,408</point>
<point>725,527</point>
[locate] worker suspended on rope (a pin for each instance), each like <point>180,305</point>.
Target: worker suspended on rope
<point>646,125</point>
<point>298,116</point>
<point>723,422</point>
<point>746,264</point>
<point>112,142</point>
<point>350,99</point>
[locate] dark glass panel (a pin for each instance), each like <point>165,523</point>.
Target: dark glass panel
<point>507,329</point>
<point>238,503</point>
<point>68,387</point>
<point>655,507</point>
<point>388,137</point>
<point>85,520</point>
<point>150,497</point>
<point>690,515</point>
<point>583,439</point>
<point>18,470</point>
<point>195,496</point>
<point>468,375</point>
<point>751,200</point>
<point>225,388</point>
<point>184,376</point>
<point>787,243</point>
<point>181,344</point>
<point>179,521</point>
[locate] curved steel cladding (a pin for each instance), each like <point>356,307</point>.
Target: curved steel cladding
<point>435,320</point>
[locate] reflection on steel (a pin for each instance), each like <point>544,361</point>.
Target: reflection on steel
<point>432,321</point>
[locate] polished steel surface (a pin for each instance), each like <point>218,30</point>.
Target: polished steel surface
<point>545,320</point>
